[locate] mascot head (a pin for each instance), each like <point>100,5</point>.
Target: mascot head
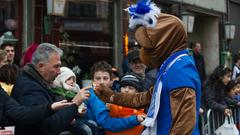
<point>158,34</point>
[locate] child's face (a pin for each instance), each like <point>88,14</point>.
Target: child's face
<point>128,89</point>
<point>70,81</point>
<point>226,78</point>
<point>101,77</point>
<point>237,89</point>
<point>232,93</point>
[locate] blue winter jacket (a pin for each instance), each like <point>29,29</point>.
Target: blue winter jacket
<point>97,111</point>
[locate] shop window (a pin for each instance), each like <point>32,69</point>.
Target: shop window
<point>88,26</point>
<point>7,11</point>
<point>46,28</point>
<point>11,20</point>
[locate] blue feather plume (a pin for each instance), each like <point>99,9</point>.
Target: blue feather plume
<point>144,13</point>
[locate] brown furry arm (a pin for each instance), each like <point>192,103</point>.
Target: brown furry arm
<point>183,109</point>
<point>137,100</point>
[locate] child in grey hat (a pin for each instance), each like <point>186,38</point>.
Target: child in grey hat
<point>66,87</point>
<point>67,80</point>
<point>129,84</point>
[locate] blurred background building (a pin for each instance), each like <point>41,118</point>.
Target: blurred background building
<point>92,30</point>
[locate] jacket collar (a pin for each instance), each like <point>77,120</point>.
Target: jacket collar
<point>31,71</point>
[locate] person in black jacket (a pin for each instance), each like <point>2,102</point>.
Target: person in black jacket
<point>199,60</point>
<point>12,112</point>
<point>33,88</point>
<point>214,94</point>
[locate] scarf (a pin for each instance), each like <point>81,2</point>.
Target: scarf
<point>150,122</point>
<point>31,71</point>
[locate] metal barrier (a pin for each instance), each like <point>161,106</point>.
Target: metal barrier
<point>202,124</point>
<point>215,119</point>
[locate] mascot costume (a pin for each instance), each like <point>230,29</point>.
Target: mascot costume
<point>174,101</point>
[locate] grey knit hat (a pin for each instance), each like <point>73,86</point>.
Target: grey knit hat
<point>130,79</point>
<point>60,80</point>
<point>8,38</point>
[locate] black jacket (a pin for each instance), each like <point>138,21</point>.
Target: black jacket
<point>31,90</point>
<point>216,98</point>
<point>11,112</point>
<point>200,65</point>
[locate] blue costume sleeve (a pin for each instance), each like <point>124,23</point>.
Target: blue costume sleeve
<point>101,115</point>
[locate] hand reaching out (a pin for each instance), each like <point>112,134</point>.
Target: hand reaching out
<point>61,104</point>
<point>82,95</point>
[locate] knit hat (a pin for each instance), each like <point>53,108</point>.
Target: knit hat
<point>60,80</point>
<point>131,80</point>
<point>164,35</point>
<point>27,58</point>
<point>8,38</point>
<point>133,55</point>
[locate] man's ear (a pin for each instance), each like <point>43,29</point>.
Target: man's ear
<point>40,66</point>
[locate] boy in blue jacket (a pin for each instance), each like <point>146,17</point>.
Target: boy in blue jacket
<point>101,73</point>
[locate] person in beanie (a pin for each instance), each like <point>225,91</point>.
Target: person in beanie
<point>67,80</point>
<point>130,80</point>
<point>175,98</point>
<point>129,84</point>
<point>65,87</point>
<point>7,43</point>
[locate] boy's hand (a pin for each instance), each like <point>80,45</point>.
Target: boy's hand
<point>82,95</point>
<point>82,109</point>
<point>141,118</point>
